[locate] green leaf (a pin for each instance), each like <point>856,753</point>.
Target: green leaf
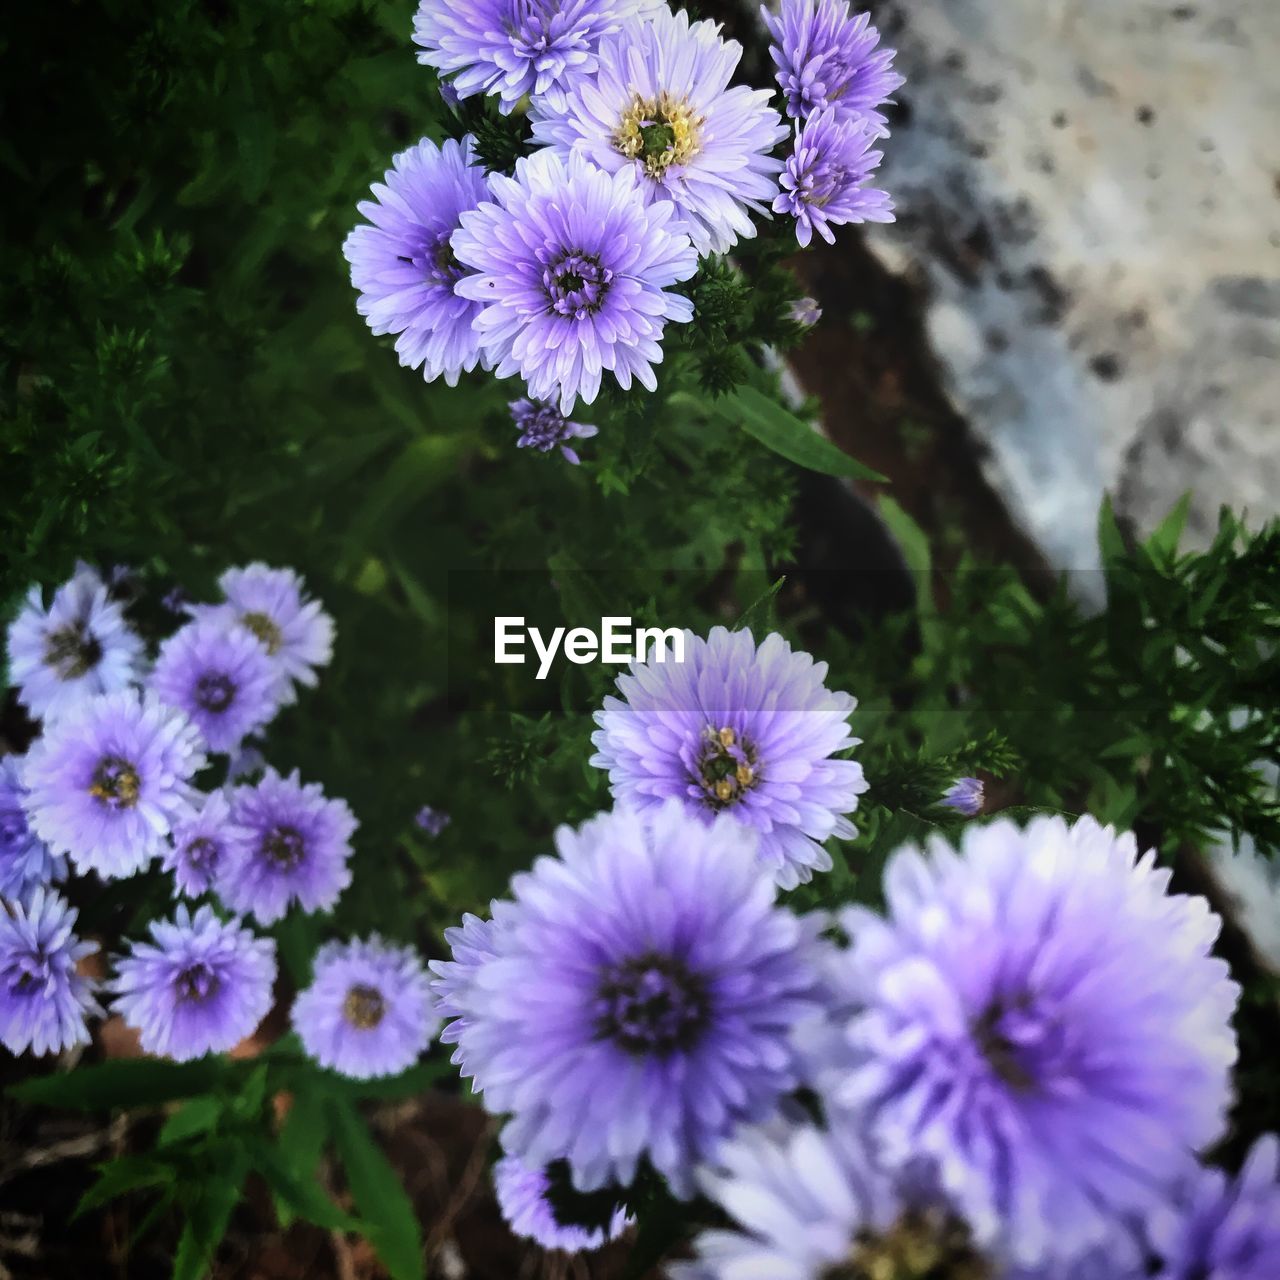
<point>784,433</point>
<point>301,1143</point>
<point>1163,542</point>
<point>128,1173</point>
<point>379,1197</point>
<point>207,1218</point>
<point>126,1082</point>
<point>196,1117</point>
<point>1110,540</point>
<point>757,613</point>
<point>301,1194</point>
<point>914,545</point>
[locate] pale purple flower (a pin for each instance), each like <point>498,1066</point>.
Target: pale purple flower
<point>512,48</point>
<point>824,182</point>
<point>244,763</point>
<point>965,795</point>
<point>472,944</point>
<point>368,1011</point>
<point>403,264</point>
<point>287,844</point>
<point>108,780</point>
<point>544,427</point>
<point>26,862</point>
<point>273,604</point>
<point>743,730</point>
<point>80,646</point>
<point>1223,1228</point>
<point>222,676</point>
<point>805,311</point>
<point>828,57</point>
<point>659,105</point>
<point>573,271</point>
<point>523,1198</point>
<point>200,986</point>
<point>1044,1026</point>
<point>432,821</point>
<point>198,854</point>
<point>638,1001</point>
<point>44,1001</point>
<point>176,601</point>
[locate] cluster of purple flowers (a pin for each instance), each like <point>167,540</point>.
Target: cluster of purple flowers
<point>646,159</point>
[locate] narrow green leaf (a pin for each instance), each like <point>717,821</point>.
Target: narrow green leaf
<point>300,1193</point>
<point>125,1082</point>
<point>207,1218</point>
<point>914,545</point>
<point>301,1142</point>
<point>1163,542</point>
<point>784,433</point>
<point>380,1198</point>
<point>195,1117</point>
<point>128,1173</point>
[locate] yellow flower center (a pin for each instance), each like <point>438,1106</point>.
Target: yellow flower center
<point>265,629</point>
<point>363,1007</point>
<point>659,132</point>
<point>919,1246</point>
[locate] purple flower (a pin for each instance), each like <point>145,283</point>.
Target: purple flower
<point>274,606</point>
<point>740,730</point>
<point>1044,1026</point>
<point>221,676</point>
<point>198,855</point>
<point>368,1011</point>
<point>965,796</point>
<point>472,944</point>
<point>1221,1228</point>
<point>78,647</point>
<point>200,987</point>
<point>107,781</point>
<point>432,821</point>
<point>572,269</point>
<point>43,1000</point>
<point>543,427</point>
<point>659,106</point>
<point>529,1212</point>
<point>516,47</point>
<point>805,311</point>
<point>403,264</point>
<point>828,58</point>
<point>26,862</point>
<point>287,844</point>
<point>824,182</point>
<point>639,999</point>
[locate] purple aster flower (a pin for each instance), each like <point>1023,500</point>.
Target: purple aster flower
<point>965,796</point>
<point>472,944</point>
<point>805,311</point>
<point>660,107</point>
<point>1221,1228</point>
<point>221,676</point>
<point>573,270</point>
<point>287,844</point>
<point>43,1000</point>
<point>1043,1024</point>
<point>274,605</point>
<point>824,182</point>
<point>107,781</point>
<point>543,427</point>
<point>529,1212</point>
<point>368,1011</point>
<point>26,862</point>
<point>244,764</point>
<point>200,987</point>
<point>432,821</point>
<point>517,47</point>
<point>827,57</point>
<point>639,999</point>
<point>403,264</point>
<point>198,855</point>
<point>740,730</point>
<point>78,647</point>
<point>176,601</point>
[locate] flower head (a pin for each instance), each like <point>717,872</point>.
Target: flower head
<point>516,47</point>
<point>638,1000</point>
<point>43,1000</point>
<point>743,730</point>
<point>107,781</point>
<point>659,106</point>
<point>572,270</point>
<point>432,821</point>
<point>26,862</point>
<point>221,676</point>
<point>78,647</point>
<point>1043,1025</point>
<point>543,427</point>
<point>287,843</point>
<point>368,1011</point>
<point>403,265</point>
<point>198,855</point>
<point>824,182</point>
<point>827,57</point>
<point>805,311</point>
<point>965,795</point>
<point>273,604</point>
<point>527,1201</point>
<point>1221,1228</point>
<point>201,986</point>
